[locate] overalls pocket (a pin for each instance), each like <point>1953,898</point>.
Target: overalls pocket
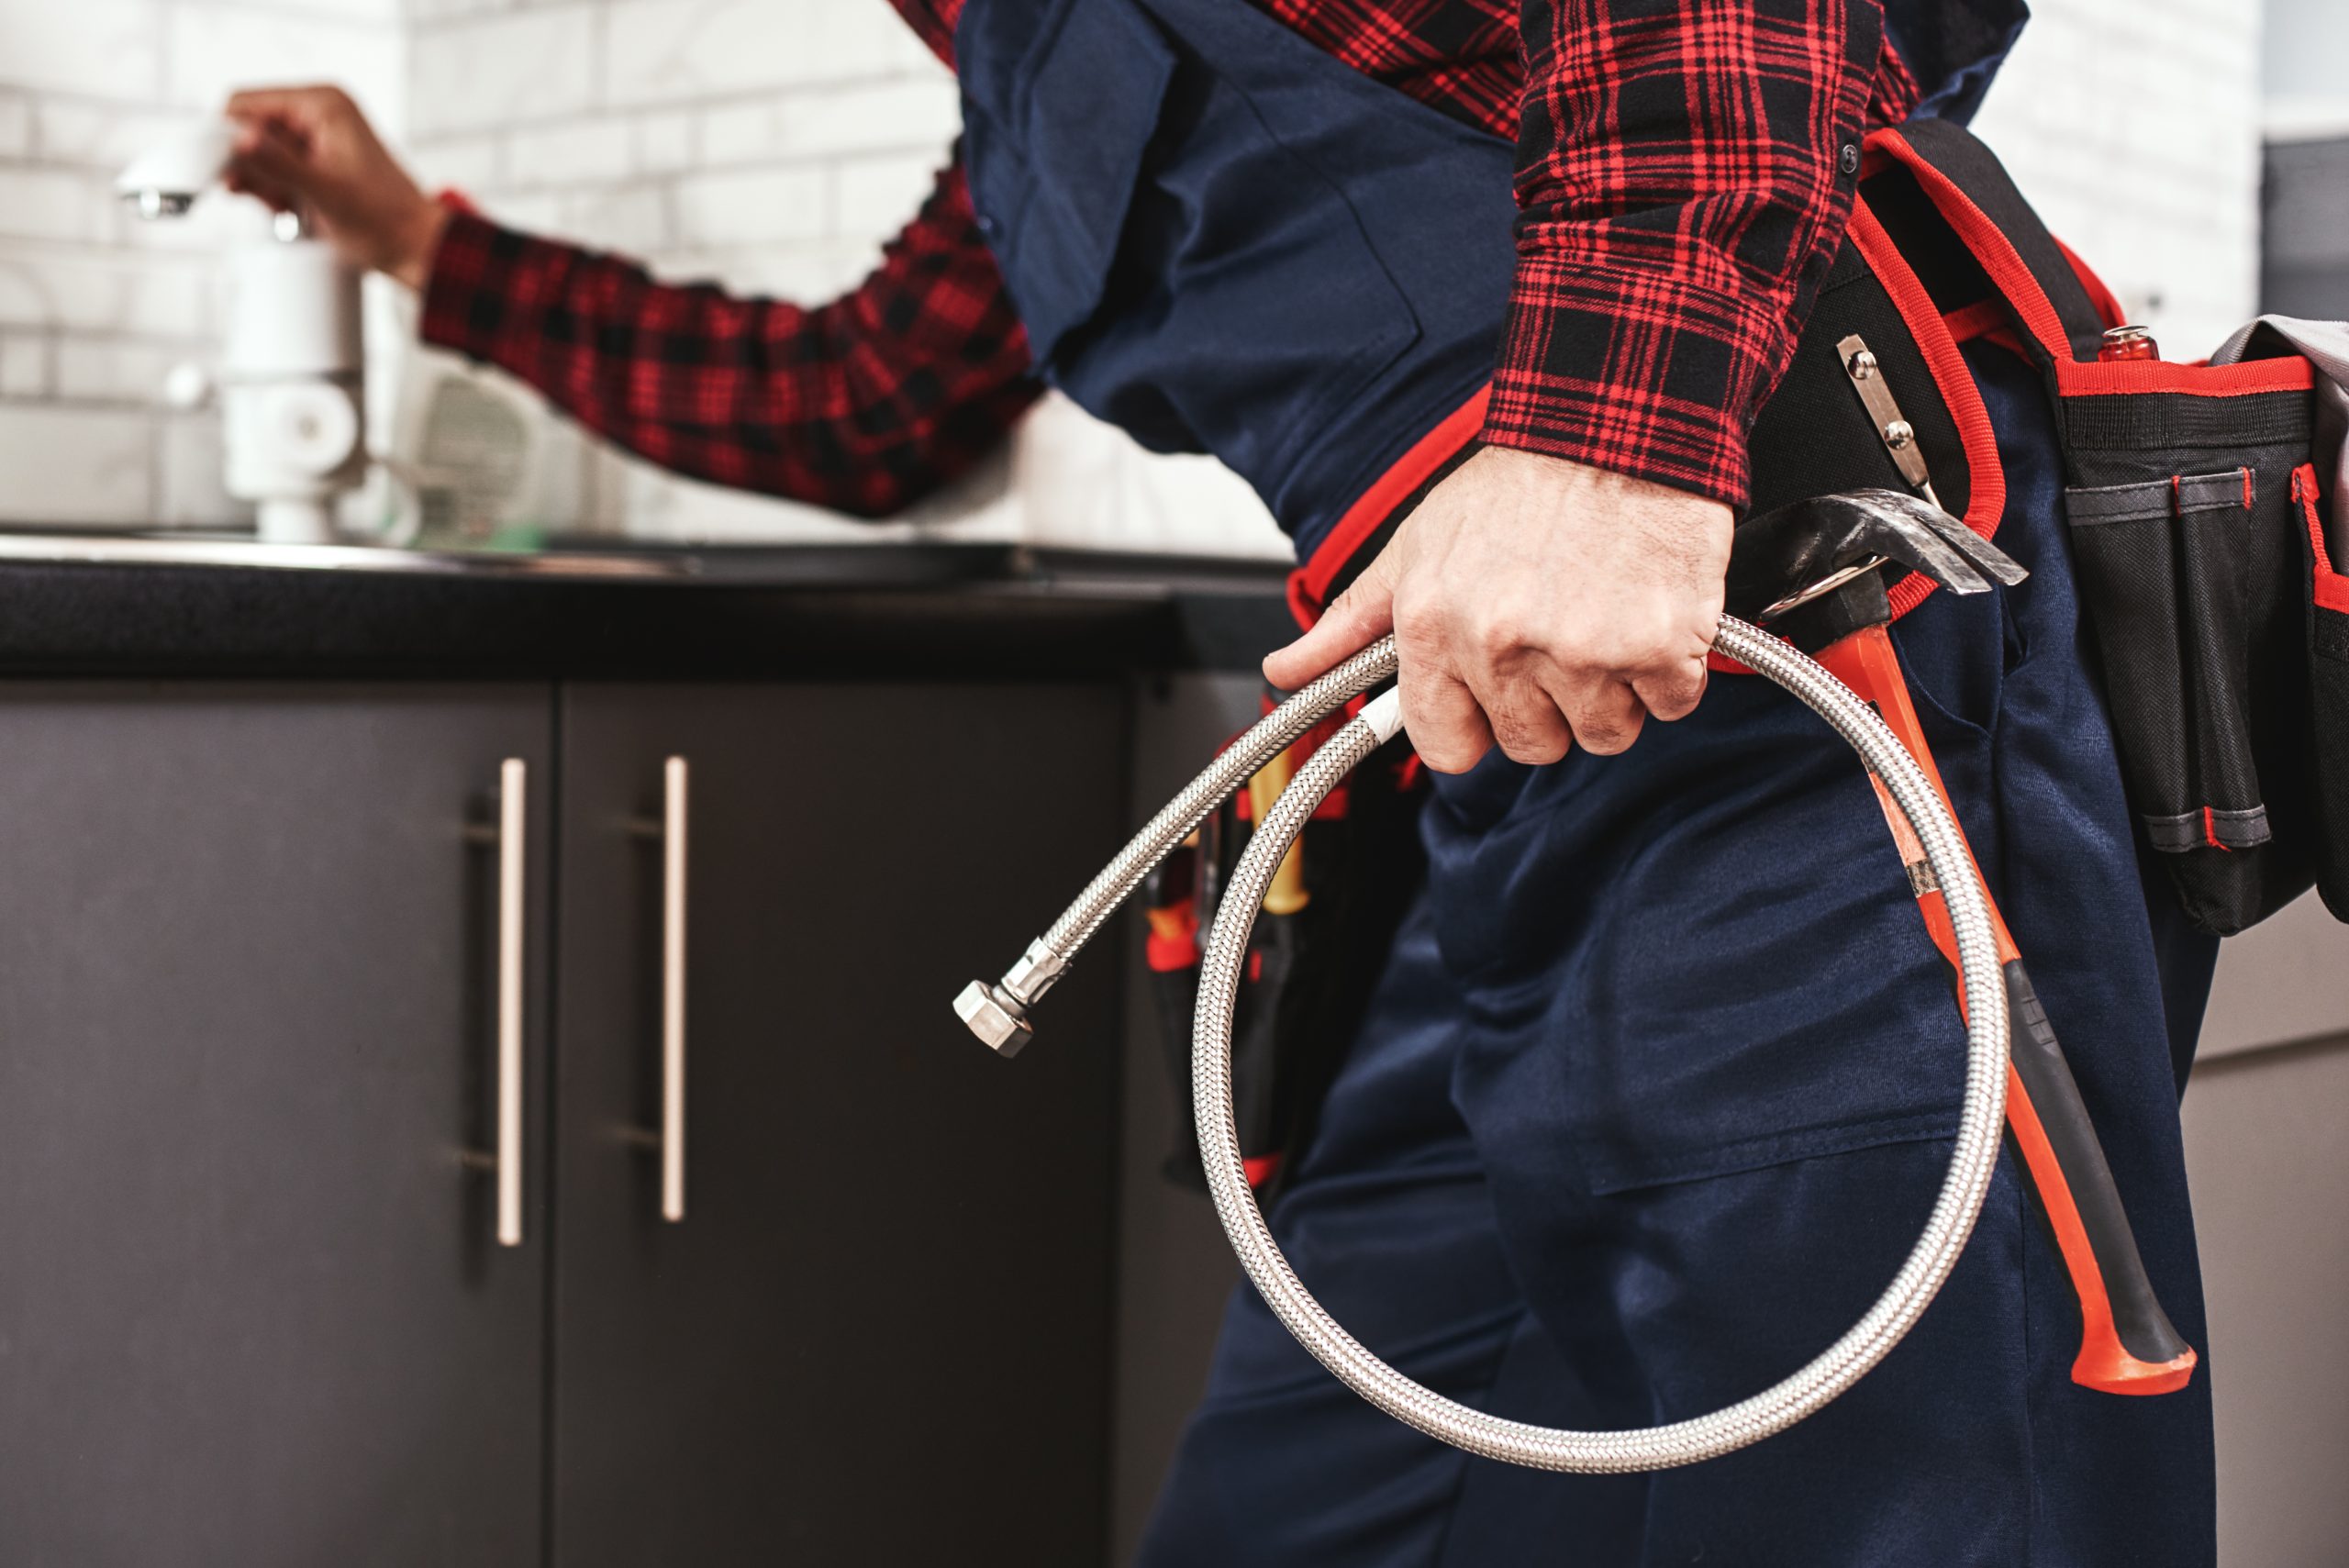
<point>2328,642</point>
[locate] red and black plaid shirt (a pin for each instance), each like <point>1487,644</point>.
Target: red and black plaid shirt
<point>1680,200</point>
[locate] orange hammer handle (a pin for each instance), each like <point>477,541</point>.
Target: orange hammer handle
<point>2128,1345</point>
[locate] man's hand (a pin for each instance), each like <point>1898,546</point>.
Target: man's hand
<point>1538,605</point>
<point>310,148</point>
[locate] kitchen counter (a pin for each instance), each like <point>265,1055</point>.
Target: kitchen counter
<point>102,605</point>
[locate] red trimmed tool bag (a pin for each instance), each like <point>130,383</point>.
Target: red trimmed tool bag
<point>2328,643</point>
<point>1314,954</point>
<point>2217,620</point>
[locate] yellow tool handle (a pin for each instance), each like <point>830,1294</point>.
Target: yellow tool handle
<point>1287,895</point>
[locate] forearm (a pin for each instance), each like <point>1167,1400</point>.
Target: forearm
<point>862,404</point>
<point>1683,186</point>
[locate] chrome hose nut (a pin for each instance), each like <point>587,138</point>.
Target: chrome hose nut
<point>994,1017</point>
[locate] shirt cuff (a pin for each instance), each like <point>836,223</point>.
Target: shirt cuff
<point>1634,370</point>
<point>472,292</point>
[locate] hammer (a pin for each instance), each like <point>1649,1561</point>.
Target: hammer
<point>1815,573</point>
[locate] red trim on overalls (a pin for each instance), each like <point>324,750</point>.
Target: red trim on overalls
<point>1309,585</point>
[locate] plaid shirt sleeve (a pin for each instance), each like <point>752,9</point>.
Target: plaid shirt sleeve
<point>862,404</point>
<point>1682,188</point>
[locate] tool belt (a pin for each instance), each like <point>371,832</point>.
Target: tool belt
<point>2220,624</point>
<point>2215,617</point>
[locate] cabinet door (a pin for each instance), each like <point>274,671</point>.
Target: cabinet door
<point>253,1311</point>
<point>880,1333</point>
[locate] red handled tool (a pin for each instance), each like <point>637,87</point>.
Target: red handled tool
<point>2128,1345</point>
<point>1813,568</point>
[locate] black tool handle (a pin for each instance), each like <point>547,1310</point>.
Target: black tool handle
<point>2128,1344</point>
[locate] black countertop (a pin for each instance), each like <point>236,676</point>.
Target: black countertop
<point>925,610</point>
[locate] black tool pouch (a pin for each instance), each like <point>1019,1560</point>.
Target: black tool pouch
<point>2191,570</point>
<point>2327,646</point>
<point>1310,970</point>
<point>2186,527</point>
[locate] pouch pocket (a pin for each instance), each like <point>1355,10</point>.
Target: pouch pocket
<point>2163,564</point>
<point>2328,642</point>
<point>2179,580</point>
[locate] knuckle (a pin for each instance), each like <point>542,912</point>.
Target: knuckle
<point>1678,700</point>
<point>1604,740</point>
<point>1496,636</point>
<point>1450,758</point>
<point>1524,745</point>
<point>1606,733</point>
<point>1419,627</point>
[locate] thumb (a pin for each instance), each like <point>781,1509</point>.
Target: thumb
<point>1364,614</point>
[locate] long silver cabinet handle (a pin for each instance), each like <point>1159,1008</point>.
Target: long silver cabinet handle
<point>513,786</point>
<point>673,990</point>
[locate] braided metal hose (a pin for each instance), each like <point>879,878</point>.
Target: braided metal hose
<point>999,1014</point>
<point>1981,1115</point>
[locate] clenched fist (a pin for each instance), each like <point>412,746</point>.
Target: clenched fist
<point>310,148</point>
<point>1537,604</point>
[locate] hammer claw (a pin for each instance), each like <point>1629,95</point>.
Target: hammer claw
<point>1986,557</point>
<point>1940,557</point>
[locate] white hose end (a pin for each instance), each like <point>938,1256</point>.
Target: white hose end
<point>1384,716</point>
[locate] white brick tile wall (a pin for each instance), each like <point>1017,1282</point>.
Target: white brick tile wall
<point>471,163</point>
<point>871,197</point>
<point>570,152</point>
<point>635,217</point>
<point>16,126</point>
<point>112,370</point>
<point>111,49</point>
<point>55,204</point>
<point>490,71</point>
<point>216,48</point>
<point>664,143</point>
<point>753,206</point>
<point>673,51</point>
<point>93,133</point>
<point>919,114</point>
<point>76,465</point>
<point>24,365</point>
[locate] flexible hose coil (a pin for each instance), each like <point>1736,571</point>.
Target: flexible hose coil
<point>1774,1409</point>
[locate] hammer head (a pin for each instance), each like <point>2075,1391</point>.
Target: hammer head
<point>1816,571</point>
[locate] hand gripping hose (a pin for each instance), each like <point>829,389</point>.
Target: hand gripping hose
<point>999,1015</point>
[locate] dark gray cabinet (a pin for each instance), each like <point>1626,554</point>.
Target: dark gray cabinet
<point>880,1332</point>
<point>252,1308</point>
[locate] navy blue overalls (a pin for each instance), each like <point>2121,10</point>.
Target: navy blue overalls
<point>1656,1088</point>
